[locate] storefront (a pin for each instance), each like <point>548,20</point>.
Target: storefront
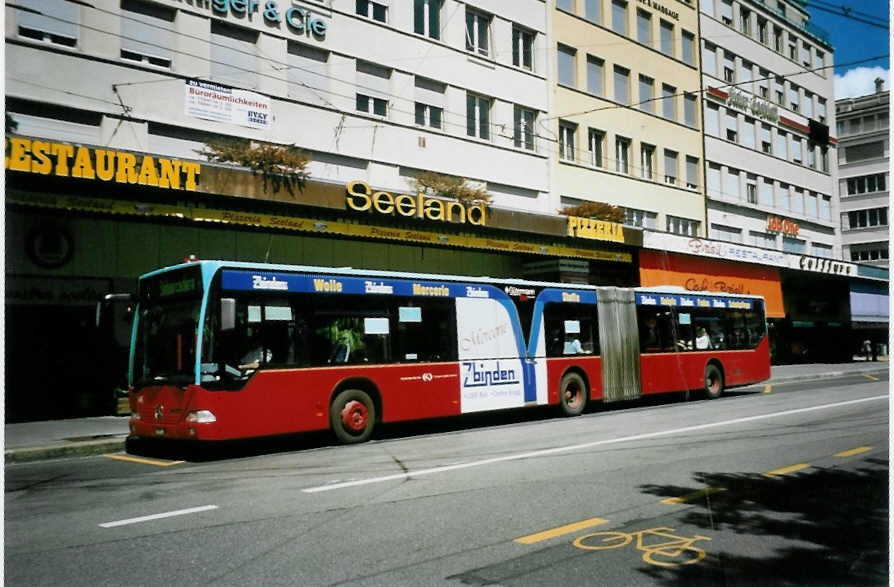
<point>82,222</point>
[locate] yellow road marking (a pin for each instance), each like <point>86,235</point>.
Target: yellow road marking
<point>768,388</point>
<point>785,470</point>
<point>693,495</point>
<point>144,461</point>
<point>853,451</point>
<point>870,377</point>
<point>567,529</point>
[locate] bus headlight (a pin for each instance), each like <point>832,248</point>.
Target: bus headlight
<point>201,417</point>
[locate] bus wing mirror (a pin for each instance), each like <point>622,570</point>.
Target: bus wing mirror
<point>108,302</point>
<point>227,314</point>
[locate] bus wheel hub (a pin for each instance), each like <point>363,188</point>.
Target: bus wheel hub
<point>354,416</point>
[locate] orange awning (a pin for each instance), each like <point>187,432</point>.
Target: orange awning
<point>702,274</point>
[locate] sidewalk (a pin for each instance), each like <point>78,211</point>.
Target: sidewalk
<point>53,439</point>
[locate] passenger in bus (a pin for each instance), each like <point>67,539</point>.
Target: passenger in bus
<point>572,347</point>
<point>702,340</point>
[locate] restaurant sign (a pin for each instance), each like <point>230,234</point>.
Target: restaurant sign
<point>595,229</point>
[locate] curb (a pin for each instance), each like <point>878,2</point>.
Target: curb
<point>59,451</point>
<point>827,375</point>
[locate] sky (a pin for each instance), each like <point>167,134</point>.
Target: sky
<point>853,41</point>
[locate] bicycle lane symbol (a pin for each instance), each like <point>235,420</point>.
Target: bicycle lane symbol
<point>660,548</point>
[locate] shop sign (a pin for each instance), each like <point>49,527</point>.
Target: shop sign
<point>660,8</point>
<point>45,291</point>
<point>224,104</point>
<point>63,160</point>
<point>361,198</point>
<point>299,21</point>
<point>756,106</point>
<point>785,226</point>
<point>830,266</point>
<point>595,229</point>
<point>717,249</point>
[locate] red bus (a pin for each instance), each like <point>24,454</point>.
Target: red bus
<point>226,350</point>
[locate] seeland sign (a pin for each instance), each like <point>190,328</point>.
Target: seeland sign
<point>360,197</point>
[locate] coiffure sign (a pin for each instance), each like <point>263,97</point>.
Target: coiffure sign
<point>298,20</point>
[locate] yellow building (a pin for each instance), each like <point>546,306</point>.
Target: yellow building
<point>626,102</point>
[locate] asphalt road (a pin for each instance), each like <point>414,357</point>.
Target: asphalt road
<point>771,487</point>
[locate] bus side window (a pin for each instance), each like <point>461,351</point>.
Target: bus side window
<point>425,330</point>
<point>647,318</point>
<point>570,329</point>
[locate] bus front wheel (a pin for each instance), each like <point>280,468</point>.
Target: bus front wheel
<point>713,382</point>
<point>352,416</point>
<point>572,394</point>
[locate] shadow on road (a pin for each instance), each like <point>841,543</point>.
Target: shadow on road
<point>838,519</point>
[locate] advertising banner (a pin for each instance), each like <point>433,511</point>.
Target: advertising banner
<point>223,104</point>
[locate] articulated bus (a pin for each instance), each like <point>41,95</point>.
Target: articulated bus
<point>230,350</point>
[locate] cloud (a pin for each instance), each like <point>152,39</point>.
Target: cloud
<point>859,81</point>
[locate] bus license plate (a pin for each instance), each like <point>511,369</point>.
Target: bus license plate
<point>159,431</point>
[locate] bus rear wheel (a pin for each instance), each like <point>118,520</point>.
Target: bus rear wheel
<point>713,382</point>
<point>572,394</point>
<point>352,416</point>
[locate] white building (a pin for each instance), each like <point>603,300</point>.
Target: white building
<point>768,81</point>
<point>863,166</point>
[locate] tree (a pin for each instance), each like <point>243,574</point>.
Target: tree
<point>281,165</point>
<point>450,186</point>
<point>597,210</point>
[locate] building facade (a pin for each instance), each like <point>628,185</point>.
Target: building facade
<point>863,168</point>
<point>626,105</point>
<point>771,166</point>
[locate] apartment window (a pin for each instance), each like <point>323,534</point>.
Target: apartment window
<point>147,32</point>
<point>373,83</point>
<point>427,115</point>
<point>751,189</point>
<point>824,158</point>
<point>645,93</point>
<point>477,116</point>
<point>622,85</point>
<point>805,54</point>
<point>712,118</point>
<point>766,139</point>
<point>748,132</point>
<point>781,145</point>
<point>732,184</point>
<point>619,16</point>
<point>729,68</point>
<point>745,73</point>
<point>566,65</point>
<point>726,12</point>
<point>793,50</point>
<point>821,109</point>
<point>596,145</point>
<point>763,239</point>
<point>232,55</point>
<point>647,160</point>
<point>767,193</point>
<point>868,123</point>
<point>522,48</point>
<point>477,32</point>
<point>779,91</point>
<point>427,18</point>
<point>807,104</point>
<point>430,99</point>
<point>670,167</point>
<point>692,172</point>
<point>60,29</point>
<point>777,39</point>
<point>622,155</point>
<point>667,38</point>
<point>682,226</point>
<point>595,75</point>
<point>822,251</point>
<point>782,196</point>
<point>593,10</point>
<point>762,35</point>
<point>688,41</point>
<point>707,6</point>
<point>794,245</point>
<point>372,9</point>
<point>732,126</point>
<point>745,21</point>
<point>523,127</point>
<point>826,208</point>
<point>640,218</point>
<point>819,61</point>
<point>796,149</point>
<point>867,218</point>
<point>566,140</point>
<point>794,98</point>
<point>866,184</point>
<point>714,184</point>
<point>668,100</point>
<point>644,27</point>
<point>689,110</point>
<point>726,233</point>
<point>855,125</point>
<point>371,105</point>
<point>797,203</point>
<point>763,84</point>
<point>880,251</point>
<point>709,59</point>
<point>811,154</point>
<point>307,67</point>
<point>839,128</point>
<point>812,206</point>
<point>566,5</point>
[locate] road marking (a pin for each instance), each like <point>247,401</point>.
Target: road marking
<point>585,445</point>
<point>870,377</point>
<point>853,451</point>
<point>693,495</point>
<point>202,508</point>
<point>144,461</point>
<point>566,529</point>
<point>785,470</point>
<point>768,388</point>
